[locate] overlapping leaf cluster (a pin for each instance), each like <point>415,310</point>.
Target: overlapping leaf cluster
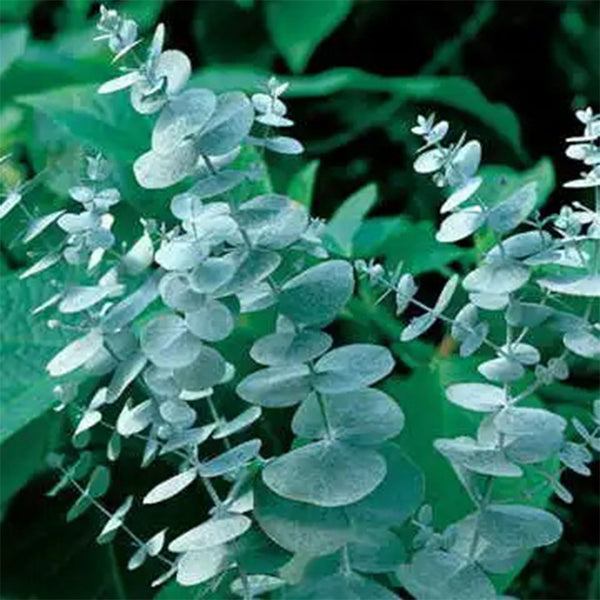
<point>152,322</point>
<point>532,271</point>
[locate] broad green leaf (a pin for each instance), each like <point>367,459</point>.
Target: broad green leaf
<point>347,219</point>
<point>400,240</point>
<point>105,124</point>
<point>454,92</point>
<point>317,295</point>
<point>13,40</point>
<point>318,20</point>
<point>363,417</point>
<point>328,473</point>
<point>302,184</point>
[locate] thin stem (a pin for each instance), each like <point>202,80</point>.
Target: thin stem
<point>109,515</point>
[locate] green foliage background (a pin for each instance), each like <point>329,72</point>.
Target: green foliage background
<point>511,72</point>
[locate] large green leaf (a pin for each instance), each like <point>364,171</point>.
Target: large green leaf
<point>347,219</point>
<point>12,45</point>
<point>26,345</point>
<point>107,124</point>
<point>401,240</point>
<point>297,27</point>
<point>454,92</point>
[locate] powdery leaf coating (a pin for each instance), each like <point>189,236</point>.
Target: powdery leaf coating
<point>136,419</point>
<point>519,526</point>
<point>514,210</point>
<point>39,225</point>
<point>212,274</point>
<point>480,397</point>
<point>181,253</point>
<point>429,161</point>
<point>252,266</point>
<point>532,434</point>
<point>276,387</point>
<point>465,164</point>
<point>438,575</point>
<point>461,224</point>
<point>352,367</point>
<point>298,526</point>
<point>376,551</point>
<point>124,374</point>
<point>197,566</point>
<point>326,473</point>
<point>343,585</point>
<point>177,293</point>
<point>183,116</point>
<point>418,326</point>
<point>175,66</point>
<point>171,487</point>
<point>156,171</point>
<point>231,460</point>
<point>583,342</point>
<point>502,370</point>
<point>272,221</point>
<point>467,453</point>
<point>287,348</point>
<point>576,285</point>
<point>257,584</point>
<point>132,306</point>
<point>211,321</point>
<point>283,145</point>
<point>364,417</point>
<point>213,532</point>
<point>167,342</point>
<point>241,422</point>
<point>316,296</point>
<point>78,298</point>
<point>396,498</point>
<point>461,195</point>
<point>503,276</point>
<point>208,368</point>
<point>228,126</point>
<point>521,245</point>
<point>76,354</point>
<point>115,521</point>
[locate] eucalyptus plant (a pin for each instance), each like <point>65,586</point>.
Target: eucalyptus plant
<point>330,517</point>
